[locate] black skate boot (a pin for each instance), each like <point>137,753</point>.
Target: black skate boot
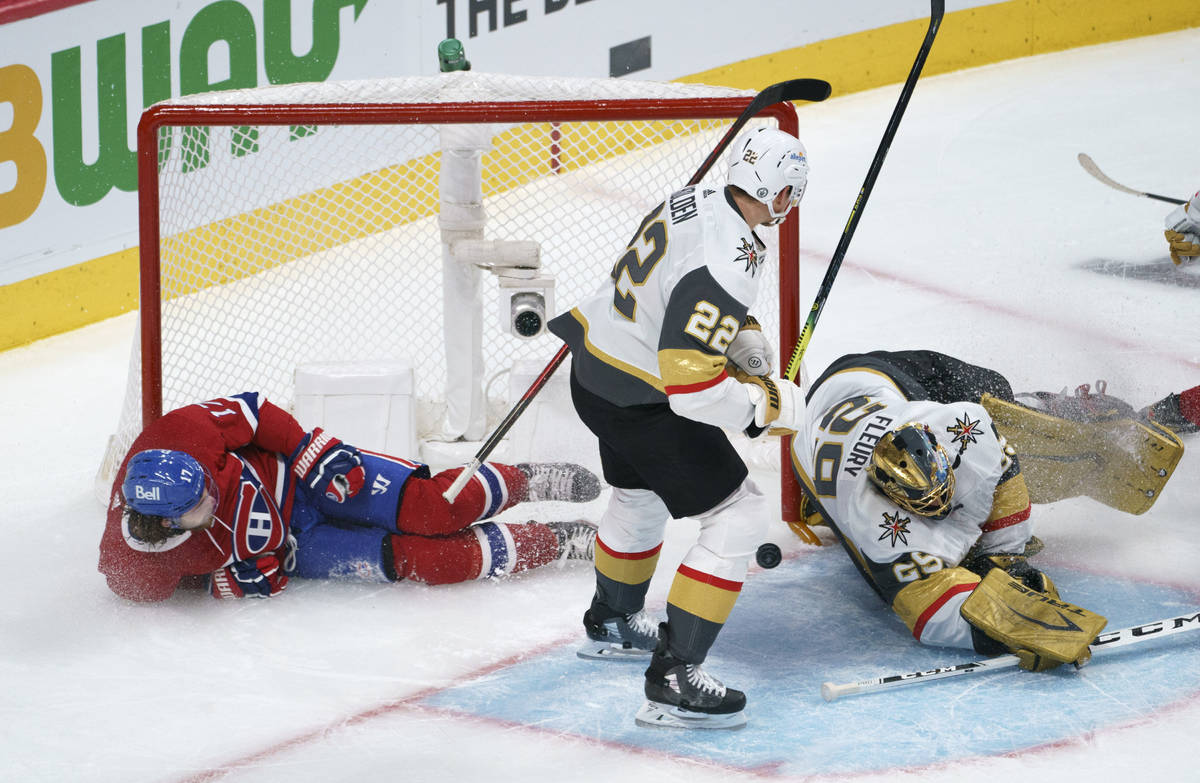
<point>559,481</point>
<point>683,695</point>
<point>576,540</point>
<point>613,636</point>
<point>1167,413</point>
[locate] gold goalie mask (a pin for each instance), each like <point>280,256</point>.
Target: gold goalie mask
<point>910,467</point>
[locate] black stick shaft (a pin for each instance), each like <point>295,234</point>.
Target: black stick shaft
<point>792,90</point>
<point>937,8</point>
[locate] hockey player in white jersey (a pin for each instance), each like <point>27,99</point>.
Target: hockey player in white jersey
<point>1183,231</point>
<point>931,504</point>
<point>651,377</point>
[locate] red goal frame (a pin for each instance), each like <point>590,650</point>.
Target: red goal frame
<point>166,115</point>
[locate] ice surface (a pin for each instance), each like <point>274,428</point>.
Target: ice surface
<point>983,238</point>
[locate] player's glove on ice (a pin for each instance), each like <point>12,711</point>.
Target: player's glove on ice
<point>1183,246</point>
<point>1183,231</point>
<point>326,466</point>
<point>750,350</point>
<point>258,578</point>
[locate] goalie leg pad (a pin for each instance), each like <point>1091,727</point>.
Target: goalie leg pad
<point>1042,630</point>
<point>1123,463</point>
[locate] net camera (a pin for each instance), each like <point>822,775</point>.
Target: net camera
<point>525,302</point>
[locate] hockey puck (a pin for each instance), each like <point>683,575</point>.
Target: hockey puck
<point>768,555</point>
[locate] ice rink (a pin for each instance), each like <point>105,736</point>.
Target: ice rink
<point>983,238</point>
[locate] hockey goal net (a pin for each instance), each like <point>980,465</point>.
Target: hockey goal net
<point>299,223</point>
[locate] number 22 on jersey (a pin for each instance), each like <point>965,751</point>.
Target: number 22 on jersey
<point>633,270</point>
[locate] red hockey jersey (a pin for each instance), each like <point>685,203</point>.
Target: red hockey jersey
<point>243,441</point>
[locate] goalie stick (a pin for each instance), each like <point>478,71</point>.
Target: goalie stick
<point>937,8</point>
<point>1109,639</point>
<point>1090,167</point>
<point>812,90</point>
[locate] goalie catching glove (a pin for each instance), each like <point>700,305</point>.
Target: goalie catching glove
<point>1039,628</point>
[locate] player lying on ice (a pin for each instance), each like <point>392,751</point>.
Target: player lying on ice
<point>234,492</point>
<point>925,467</point>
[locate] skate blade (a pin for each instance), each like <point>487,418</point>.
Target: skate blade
<point>603,651</point>
<point>655,714</point>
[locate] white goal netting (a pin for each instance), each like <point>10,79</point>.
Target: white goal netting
<point>299,223</point>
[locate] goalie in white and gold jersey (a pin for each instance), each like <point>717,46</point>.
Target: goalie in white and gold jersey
<point>926,466</point>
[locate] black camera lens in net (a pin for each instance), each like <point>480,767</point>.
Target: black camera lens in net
<point>528,314</point>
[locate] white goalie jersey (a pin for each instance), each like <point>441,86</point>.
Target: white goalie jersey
<point>911,560</point>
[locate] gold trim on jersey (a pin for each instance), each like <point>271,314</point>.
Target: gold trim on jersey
<point>613,361</point>
<point>915,599</point>
<point>1011,497</point>
<point>687,366</point>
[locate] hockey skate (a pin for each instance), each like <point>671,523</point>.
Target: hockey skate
<point>630,637</point>
<point>559,481</point>
<point>682,695</point>
<point>576,540</point>
<point>1167,413</point>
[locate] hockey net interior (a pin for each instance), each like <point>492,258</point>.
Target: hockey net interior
<point>299,223</point>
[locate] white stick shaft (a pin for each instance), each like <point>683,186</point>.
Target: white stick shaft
<point>831,691</point>
<point>1090,167</point>
<point>1119,638</point>
<point>461,480</point>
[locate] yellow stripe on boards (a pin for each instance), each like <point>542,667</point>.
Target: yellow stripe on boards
<point>68,298</point>
<point>104,287</point>
<point>966,39</point>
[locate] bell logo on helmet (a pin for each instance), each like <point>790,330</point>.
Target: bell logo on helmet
<point>141,493</point>
<point>164,483</point>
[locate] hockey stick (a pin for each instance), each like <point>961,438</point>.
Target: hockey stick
<point>812,90</point>
<point>1132,635</point>
<point>1090,167</point>
<point>937,8</point>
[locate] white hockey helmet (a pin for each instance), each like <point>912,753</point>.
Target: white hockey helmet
<point>764,161</point>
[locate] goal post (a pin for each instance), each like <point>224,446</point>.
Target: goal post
<point>299,223</point>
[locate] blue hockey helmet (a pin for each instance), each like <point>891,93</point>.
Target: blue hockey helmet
<point>164,483</point>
